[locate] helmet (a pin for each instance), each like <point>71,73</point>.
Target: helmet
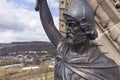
<point>81,11</point>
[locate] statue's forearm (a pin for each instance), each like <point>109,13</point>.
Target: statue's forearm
<point>47,22</point>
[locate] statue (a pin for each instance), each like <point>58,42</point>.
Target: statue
<point>77,58</point>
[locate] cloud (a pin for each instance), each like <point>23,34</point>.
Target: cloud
<point>12,16</point>
<point>31,1</point>
<point>52,3</point>
<point>7,36</point>
<point>18,23</point>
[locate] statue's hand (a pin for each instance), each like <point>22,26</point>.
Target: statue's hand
<point>37,5</point>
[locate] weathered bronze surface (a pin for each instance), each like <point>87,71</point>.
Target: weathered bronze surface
<point>77,57</point>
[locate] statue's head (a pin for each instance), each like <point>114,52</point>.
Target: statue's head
<point>79,20</point>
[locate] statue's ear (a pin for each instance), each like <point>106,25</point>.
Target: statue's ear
<point>37,5</point>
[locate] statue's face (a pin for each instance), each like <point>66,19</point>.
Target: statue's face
<point>74,33</point>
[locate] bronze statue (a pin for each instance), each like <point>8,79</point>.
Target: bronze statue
<point>77,57</point>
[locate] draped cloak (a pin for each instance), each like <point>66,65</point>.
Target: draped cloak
<point>90,65</point>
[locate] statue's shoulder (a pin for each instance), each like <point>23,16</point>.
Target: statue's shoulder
<point>100,57</point>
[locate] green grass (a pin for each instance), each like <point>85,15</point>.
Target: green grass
<point>8,62</point>
<point>43,73</point>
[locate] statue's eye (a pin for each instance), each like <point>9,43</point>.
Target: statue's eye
<point>72,25</point>
<point>83,22</point>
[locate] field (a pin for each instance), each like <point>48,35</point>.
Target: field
<point>6,45</point>
<point>17,73</point>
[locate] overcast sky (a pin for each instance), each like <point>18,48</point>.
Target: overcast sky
<point>19,21</point>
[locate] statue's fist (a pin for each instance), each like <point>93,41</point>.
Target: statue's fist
<point>37,5</point>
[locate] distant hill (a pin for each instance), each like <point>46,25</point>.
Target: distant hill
<point>27,46</point>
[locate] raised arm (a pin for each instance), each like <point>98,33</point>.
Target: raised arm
<point>47,21</point>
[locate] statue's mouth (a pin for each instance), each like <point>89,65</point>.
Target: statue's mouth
<point>75,39</point>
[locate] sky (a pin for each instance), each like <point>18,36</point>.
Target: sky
<point>19,22</point>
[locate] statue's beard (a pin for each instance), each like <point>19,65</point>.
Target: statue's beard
<point>76,39</point>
